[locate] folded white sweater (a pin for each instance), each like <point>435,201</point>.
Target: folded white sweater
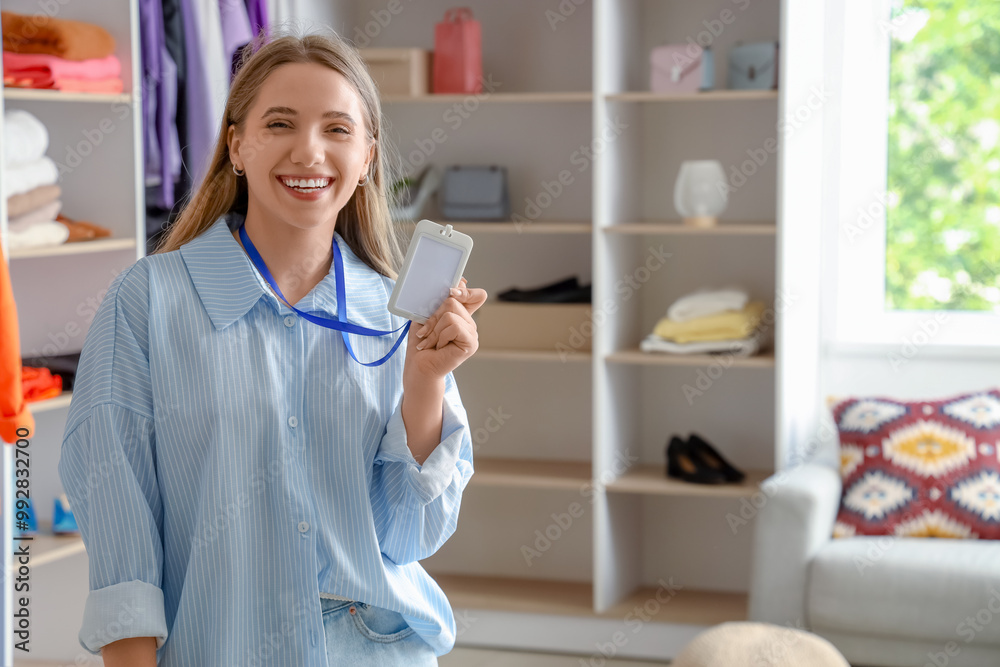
<point>25,138</point>
<point>707,302</point>
<point>38,234</point>
<point>25,176</point>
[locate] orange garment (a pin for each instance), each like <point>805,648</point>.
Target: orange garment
<point>72,40</point>
<point>14,413</point>
<point>38,384</point>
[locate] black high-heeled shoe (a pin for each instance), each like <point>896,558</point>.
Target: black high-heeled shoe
<point>684,464</point>
<point>713,459</point>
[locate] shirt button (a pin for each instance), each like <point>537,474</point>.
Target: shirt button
<point>293,421</point>
<point>290,321</point>
<point>303,526</point>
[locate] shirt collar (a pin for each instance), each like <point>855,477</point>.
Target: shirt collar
<point>229,285</point>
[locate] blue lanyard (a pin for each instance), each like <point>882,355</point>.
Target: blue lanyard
<point>340,324</point>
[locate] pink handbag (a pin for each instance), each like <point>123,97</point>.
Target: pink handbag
<point>458,53</point>
<point>680,68</point>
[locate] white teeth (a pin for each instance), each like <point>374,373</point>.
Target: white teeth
<point>306,183</point>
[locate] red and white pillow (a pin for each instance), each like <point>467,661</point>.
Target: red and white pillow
<point>920,468</point>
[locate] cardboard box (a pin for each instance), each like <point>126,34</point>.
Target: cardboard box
<point>546,327</point>
<point>399,71</point>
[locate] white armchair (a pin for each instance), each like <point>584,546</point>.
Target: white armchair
<point>882,601</point>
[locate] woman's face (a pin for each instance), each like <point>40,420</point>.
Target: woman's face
<point>305,125</point>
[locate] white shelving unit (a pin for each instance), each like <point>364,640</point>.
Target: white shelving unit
<point>96,141</point>
<point>570,524</point>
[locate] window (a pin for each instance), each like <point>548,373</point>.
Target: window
<point>914,172</point>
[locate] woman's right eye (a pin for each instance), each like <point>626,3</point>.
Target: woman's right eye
<point>276,123</point>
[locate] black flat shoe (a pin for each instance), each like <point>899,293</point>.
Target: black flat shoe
<point>713,459</point>
<point>546,291</point>
<point>685,465</point>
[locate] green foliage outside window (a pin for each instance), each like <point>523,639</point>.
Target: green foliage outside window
<point>943,214</point>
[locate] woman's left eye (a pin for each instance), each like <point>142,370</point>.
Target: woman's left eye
<point>341,129</point>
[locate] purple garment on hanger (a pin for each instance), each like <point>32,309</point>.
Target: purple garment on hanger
<point>257,12</point>
<point>200,117</point>
<point>235,27</point>
<point>159,103</point>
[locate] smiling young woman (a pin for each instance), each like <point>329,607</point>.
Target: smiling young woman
<point>264,498</point>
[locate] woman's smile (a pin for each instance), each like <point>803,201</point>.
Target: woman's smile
<point>308,188</point>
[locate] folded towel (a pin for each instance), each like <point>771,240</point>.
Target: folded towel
<point>707,302</point>
<point>26,176</point>
<point>37,235</point>
<point>744,347</point>
<point>25,137</point>
<point>82,231</point>
<point>73,40</point>
<point>41,70</point>
<point>44,213</point>
<point>32,199</point>
<point>721,326</point>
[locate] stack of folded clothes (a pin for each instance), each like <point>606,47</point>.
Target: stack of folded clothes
<point>29,184</point>
<point>568,290</point>
<point>707,321</point>
<point>44,52</point>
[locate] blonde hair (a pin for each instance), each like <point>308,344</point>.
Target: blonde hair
<point>364,222</point>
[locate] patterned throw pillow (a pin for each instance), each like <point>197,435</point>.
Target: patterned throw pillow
<point>920,468</point>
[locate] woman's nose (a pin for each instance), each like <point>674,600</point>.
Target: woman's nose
<point>308,149</point>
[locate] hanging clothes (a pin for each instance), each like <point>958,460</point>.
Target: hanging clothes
<point>207,83</point>
<point>257,12</point>
<point>159,105</point>
<point>14,413</point>
<point>235,31</point>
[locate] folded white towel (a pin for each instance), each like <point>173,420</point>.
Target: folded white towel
<point>744,347</point>
<point>37,235</point>
<point>707,302</point>
<point>25,138</point>
<point>25,176</point>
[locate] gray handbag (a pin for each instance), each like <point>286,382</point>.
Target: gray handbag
<point>475,193</point>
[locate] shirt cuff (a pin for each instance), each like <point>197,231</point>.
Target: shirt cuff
<point>121,611</point>
<point>429,480</point>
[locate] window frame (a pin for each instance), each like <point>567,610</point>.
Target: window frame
<point>860,265</point>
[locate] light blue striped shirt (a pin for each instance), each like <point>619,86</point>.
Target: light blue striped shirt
<point>228,463</point>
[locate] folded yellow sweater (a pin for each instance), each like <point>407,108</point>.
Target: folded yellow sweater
<point>729,325</point>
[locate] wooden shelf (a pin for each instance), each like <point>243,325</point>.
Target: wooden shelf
<point>532,473</point>
<point>487,97</point>
<point>43,95</point>
<point>540,227</point>
<point>57,403</point>
<point>679,228</point>
<point>651,479</point>
<point>641,358</point>
<point>530,355</point>
<point>45,548</point>
<point>100,245</point>
<point>575,598</point>
<point>708,96</point>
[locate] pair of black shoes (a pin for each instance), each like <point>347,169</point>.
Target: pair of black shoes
<point>568,290</point>
<point>694,460</point>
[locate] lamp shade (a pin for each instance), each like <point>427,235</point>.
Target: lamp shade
<point>700,193</point>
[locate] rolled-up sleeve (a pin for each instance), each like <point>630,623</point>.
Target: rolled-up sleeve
<point>108,470</point>
<point>416,506</point>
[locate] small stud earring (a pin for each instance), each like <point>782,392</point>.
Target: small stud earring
<point>237,171</point>
<point>365,181</point>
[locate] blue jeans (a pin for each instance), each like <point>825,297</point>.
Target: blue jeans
<point>360,634</point>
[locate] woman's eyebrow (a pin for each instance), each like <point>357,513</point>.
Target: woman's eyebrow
<point>288,111</point>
